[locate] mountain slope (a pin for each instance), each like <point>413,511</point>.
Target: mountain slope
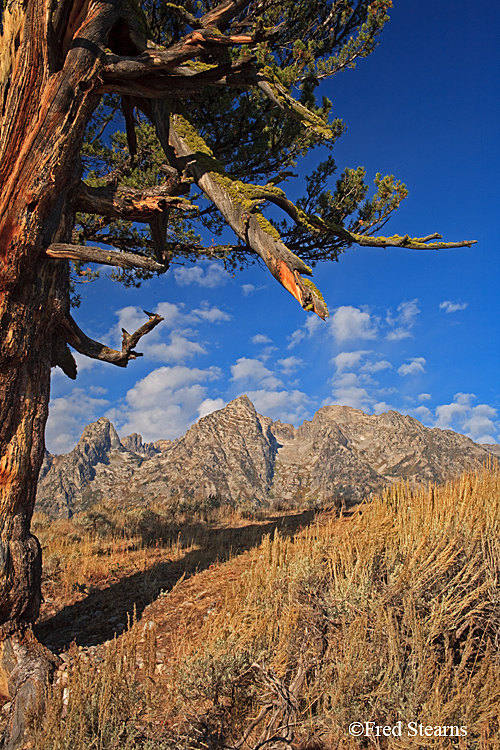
<point>341,455</point>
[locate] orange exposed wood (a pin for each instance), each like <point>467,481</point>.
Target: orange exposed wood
<point>287,278</point>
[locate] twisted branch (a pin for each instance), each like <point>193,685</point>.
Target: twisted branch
<point>95,350</point>
<point>93,254</point>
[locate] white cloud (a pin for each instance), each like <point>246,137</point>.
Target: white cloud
<point>171,312</point>
<point>210,276</point>
<point>424,414</point>
<point>349,323</point>
<point>177,351</point>
<point>447,413</point>
<point>464,398</point>
<point>260,338</point>
<point>82,363</point>
<point>372,367</point>
<point>349,391</point>
<point>310,327</point>
<point>173,341</point>
<point>210,314</point>
<point>254,370</point>
<point>210,405</point>
<point>424,397</point>
<point>480,422</point>
<point>404,320</point>
<point>165,403</point>
<point>287,406</point>
<point>349,360</point>
<point>450,307</point>
<point>290,364</point>
<point>68,415</point>
<point>247,289</point>
<point>381,407</point>
<point>266,352</point>
<point>416,365</point>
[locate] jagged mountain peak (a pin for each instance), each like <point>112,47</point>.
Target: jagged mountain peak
<point>342,454</point>
<point>100,434</point>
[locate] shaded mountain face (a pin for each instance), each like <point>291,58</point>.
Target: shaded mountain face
<point>341,455</point>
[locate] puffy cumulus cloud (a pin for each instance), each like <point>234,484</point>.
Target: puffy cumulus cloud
<point>416,364</point>
<point>372,367</point>
<point>68,415</point>
<point>464,398</point>
<point>290,364</point>
<point>381,407</point>
<point>479,422</point>
<point>424,397</point>
<point>179,349</point>
<point>481,428</point>
<point>404,321</point>
<point>173,341</point>
<point>349,360</point>
<point>424,414</point>
<point>260,338</point>
<point>348,390</point>
<point>209,276</point>
<point>165,403</point>
<point>350,323</point>
<point>450,307</point>
<point>253,370</point>
<point>287,406</point>
<point>210,314</point>
<point>310,327</point>
<point>210,405</point>
<point>446,414</point>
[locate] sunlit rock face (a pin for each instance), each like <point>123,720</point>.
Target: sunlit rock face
<point>341,456</point>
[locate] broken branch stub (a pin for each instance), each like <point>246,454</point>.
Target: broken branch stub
<point>95,350</point>
<point>247,222</point>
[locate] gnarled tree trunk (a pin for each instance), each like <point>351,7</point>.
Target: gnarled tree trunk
<point>48,74</point>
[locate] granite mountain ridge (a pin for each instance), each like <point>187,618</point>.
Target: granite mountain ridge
<point>340,456</point>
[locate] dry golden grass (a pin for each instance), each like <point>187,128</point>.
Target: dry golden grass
<point>109,559</point>
<point>390,615</point>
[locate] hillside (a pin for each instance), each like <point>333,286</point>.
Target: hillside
<point>341,456</point>
<point>389,615</point>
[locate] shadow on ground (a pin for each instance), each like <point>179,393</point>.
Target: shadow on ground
<point>105,612</point>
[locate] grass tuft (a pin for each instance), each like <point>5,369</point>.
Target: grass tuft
<point>390,615</point>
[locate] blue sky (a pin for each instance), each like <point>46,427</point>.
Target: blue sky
<point>417,332</point>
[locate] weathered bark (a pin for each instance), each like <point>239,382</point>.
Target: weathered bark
<point>250,226</point>
<point>90,254</point>
<point>47,93</point>
<point>130,204</point>
<point>28,666</point>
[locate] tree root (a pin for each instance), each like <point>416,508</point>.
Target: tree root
<point>26,670</point>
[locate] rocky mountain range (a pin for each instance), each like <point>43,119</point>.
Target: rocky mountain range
<point>341,455</point>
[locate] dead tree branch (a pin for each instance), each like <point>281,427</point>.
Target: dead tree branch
<point>91,254</point>
<point>131,204</point>
<point>94,349</point>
